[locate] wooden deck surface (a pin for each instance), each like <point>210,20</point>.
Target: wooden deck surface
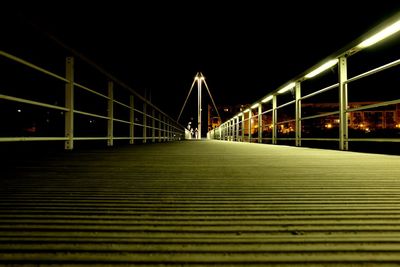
<point>201,203</point>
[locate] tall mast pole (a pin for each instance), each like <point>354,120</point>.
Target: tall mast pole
<point>199,81</point>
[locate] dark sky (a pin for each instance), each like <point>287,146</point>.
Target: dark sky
<point>245,49</point>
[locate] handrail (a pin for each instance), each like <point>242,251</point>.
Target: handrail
<point>241,128</point>
<point>145,123</point>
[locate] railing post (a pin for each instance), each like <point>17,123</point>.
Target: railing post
<point>110,123</point>
<point>69,103</point>
<point>168,131</point>
<point>230,130</point>
<point>153,125</point>
<point>132,120</point>
<point>249,125</point>
<point>164,129</point>
<point>242,140</point>
<point>171,132</point>
<point>159,128</point>
<point>343,127</point>
<point>237,128</point>
<point>260,125</point>
<point>233,129</point>
<point>274,120</point>
<point>226,130</point>
<point>298,114</point>
<point>144,121</point>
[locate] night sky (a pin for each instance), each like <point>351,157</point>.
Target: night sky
<point>245,49</point>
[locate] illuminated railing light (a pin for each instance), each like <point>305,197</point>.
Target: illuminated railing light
<point>286,88</point>
<point>392,29</point>
<point>247,110</point>
<point>268,98</point>
<point>240,114</point>
<point>255,105</point>
<point>322,68</point>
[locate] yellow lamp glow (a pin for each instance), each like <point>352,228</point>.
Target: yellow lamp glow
<point>268,98</point>
<point>392,29</point>
<point>286,88</point>
<point>322,68</point>
<point>254,106</point>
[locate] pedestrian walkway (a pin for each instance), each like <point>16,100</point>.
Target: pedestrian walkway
<point>203,203</point>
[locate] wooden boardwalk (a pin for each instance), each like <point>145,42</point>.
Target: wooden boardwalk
<point>201,203</point>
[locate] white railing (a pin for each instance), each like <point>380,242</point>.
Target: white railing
<point>144,122</point>
<point>266,121</point>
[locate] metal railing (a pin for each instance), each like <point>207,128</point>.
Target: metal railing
<point>143,121</point>
<point>262,121</point>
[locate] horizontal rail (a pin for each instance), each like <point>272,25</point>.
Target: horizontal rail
<point>319,139</point>
<point>320,115</point>
<point>122,104</point>
<point>32,66</point>
<point>31,102</point>
<point>323,90</point>
<point>375,140</point>
<point>17,139</point>
<point>286,104</point>
<point>386,103</point>
<point>90,90</point>
<point>90,138</point>
<point>373,71</point>
<point>91,114</point>
<point>122,121</point>
<point>286,121</point>
<point>267,111</point>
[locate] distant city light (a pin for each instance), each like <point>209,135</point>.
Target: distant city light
<point>322,68</point>
<point>19,111</point>
<point>286,88</point>
<point>392,29</point>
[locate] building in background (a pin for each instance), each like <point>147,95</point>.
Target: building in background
<point>368,120</point>
<point>226,112</point>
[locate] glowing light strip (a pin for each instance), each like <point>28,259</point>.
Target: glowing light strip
<point>286,88</point>
<point>392,29</point>
<point>254,106</point>
<point>322,68</point>
<point>268,98</point>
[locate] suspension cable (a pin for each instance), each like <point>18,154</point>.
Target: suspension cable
<point>184,104</point>
<point>215,106</point>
